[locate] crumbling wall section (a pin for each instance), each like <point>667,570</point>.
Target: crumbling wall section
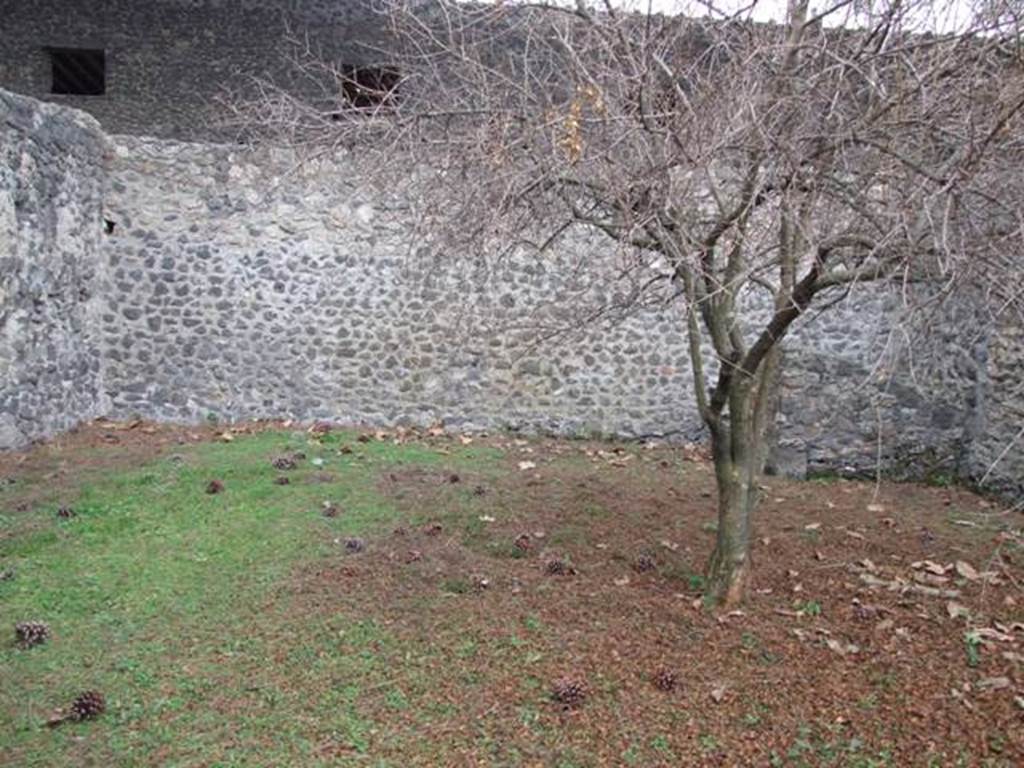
<point>51,186</point>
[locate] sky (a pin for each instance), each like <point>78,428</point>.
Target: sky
<point>937,15</point>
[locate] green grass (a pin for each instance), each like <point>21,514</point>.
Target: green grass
<point>173,603</point>
<point>233,630</point>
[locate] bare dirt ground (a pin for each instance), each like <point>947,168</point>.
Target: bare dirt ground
<point>885,627</point>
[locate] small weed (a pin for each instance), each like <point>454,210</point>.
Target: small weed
<point>752,644</point>
<point>529,716</point>
<point>456,586</point>
<point>660,745</point>
<point>938,479</point>
<point>752,720</point>
<point>755,718</point>
<point>869,702</point>
<point>467,649</point>
<point>506,549</point>
<point>808,608</point>
<point>885,680</point>
<point>997,743</point>
<point>395,699</point>
<point>810,534</point>
<point>827,746</point>
<point>709,527</point>
<point>681,572</point>
<point>972,648</point>
<point>533,623</point>
<point>708,742</point>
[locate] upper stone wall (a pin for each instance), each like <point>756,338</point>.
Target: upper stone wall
<point>51,183</point>
<point>243,284</point>
<point>168,62</point>
<point>247,284</point>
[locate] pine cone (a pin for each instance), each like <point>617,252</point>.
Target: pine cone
<point>665,680</point>
<point>569,692</point>
<point>354,546</point>
<point>284,463</point>
<point>282,480</point>
<point>556,566</point>
<point>645,563</point>
<point>523,542</point>
<point>87,706</point>
<point>330,510</point>
<point>65,513</point>
<point>30,633</point>
<point>863,612</point>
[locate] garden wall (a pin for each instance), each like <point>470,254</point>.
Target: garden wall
<point>51,186</point>
<point>242,284</point>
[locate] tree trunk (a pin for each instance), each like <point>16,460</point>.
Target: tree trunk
<point>728,572</point>
<point>737,449</point>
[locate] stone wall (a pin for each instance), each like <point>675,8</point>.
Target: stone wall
<point>169,62</point>
<point>246,284</point>
<point>997,437</point>
<point>870,382</point>
<point>51,184</point>
<point>241,284</point>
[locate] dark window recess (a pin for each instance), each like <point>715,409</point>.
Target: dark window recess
<point>370,87</point>
<point>79,71</point>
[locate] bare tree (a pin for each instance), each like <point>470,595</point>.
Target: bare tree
<point>846,144</point>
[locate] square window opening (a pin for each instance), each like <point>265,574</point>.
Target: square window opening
<point>370,87</point>
<point>78,71</point>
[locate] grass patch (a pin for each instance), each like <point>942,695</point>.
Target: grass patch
<point>244,628</point>
<point>169,600</point>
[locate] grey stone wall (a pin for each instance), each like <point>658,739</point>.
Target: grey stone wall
<point>51,183</point>
<point>997,439</point>
<point>170,61</point>
<point>241,284</point>
<point>246,284</point>
<point>871,382</point>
